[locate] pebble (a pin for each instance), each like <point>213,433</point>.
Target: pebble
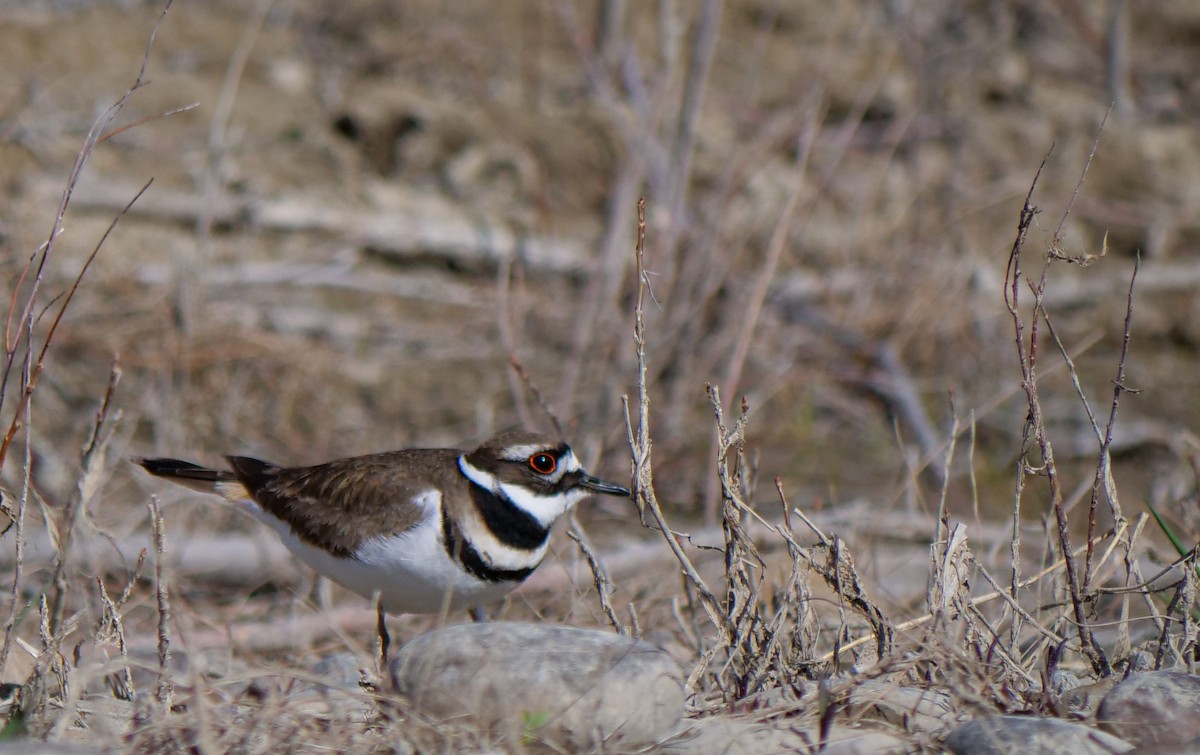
<point>37,747</point>
<point>854,742</point>
<point>734,736</point>
<point>1003,735</point>
<point>569,688</point>
<point>909,708</point>
<point>1153,709</point>
<point>1085,698</point>
<point>344,671</point>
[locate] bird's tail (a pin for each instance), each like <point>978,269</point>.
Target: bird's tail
<point>196,477</point>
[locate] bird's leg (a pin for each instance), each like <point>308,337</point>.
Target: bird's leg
<point>383,640</point>
<point>478,613</point>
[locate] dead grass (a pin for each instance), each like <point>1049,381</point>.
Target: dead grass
<point>987,650</point>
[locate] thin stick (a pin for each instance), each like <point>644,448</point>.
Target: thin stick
<point>1061,563</point>
<point>123,687</point>
<point>31,382</point>
<point>1012,292</point>
<point>93,452</point>
<point>90,141</point>
<point>1035,425</point>
<point>504,323</point>
<point>640,444</point>
<point>147,119</point>
<point>538,397</point>
<point>1079,184</point>
<point>942,517</point>
<point>798,512</point>
<point>1072,372</point>
<point>971,468</point>
<point>1104,466</point>
<point>165,690</point>
<point>22,506</point>
<point>762,285</point>
<point>604,585</point>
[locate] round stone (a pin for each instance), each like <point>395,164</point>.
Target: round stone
<point>737,736</point>
<point>731,736</point>
<point>1002,735</point>
<point>910,708</point>
<point>578,689</point>
<point>341,671</point>
<point>1153,709</point>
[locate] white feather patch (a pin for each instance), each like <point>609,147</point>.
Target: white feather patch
<point>411,572</point>
<point>544,508</point>
<point>485,480</point>
<point>521,453</point>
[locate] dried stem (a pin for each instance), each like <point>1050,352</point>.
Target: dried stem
<point>89,466</point>
<point>762,285</point>
<point>164,691</point>
<point>14,602</point>
<point>34,357</point>
<point>30,383</point>
<point>1056,241</point>
<point>508,337</point>
<point>94,135</point>
<point>604,585</point>
<point>1103,477</point>
<point>1113,538</point>
<point>1035,424</point>
<point>640,444</point>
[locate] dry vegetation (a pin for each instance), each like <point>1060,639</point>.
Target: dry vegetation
<point>387,225</point>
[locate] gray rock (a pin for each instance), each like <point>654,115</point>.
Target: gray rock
<point>1063,681</point>
<point>1003,735</point>
<point>1140,661</point>
<point>911,708</point>
<point>855,742</point>
<point>1154,709</point>
<point>785,696</point>
<point>1085,699</point>
<point>101,671</point>
<point>578,689</point>
<point>38,747</point>
<point>1190,747</point>
<point>342,671</point>
<point>333,690</point>
<point>734,736</point>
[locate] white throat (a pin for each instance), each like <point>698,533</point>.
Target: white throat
<point>544,508</point>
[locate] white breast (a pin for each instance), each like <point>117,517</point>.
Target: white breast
<point>411,572</point>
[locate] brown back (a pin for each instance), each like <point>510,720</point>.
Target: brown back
<point>340,504</point>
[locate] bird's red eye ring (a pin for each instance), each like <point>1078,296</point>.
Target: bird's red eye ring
<point>543,463</point>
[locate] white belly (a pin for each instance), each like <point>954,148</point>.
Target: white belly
<point>411,572</point>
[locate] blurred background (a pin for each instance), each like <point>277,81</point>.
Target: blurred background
<point>391,224</point>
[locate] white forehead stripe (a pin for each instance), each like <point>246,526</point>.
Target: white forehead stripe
<point>521,453</point>
<point>566,463</point>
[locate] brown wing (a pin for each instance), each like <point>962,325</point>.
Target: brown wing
<point>340,504</point>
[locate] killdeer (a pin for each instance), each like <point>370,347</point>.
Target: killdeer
<point>423,529</point>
